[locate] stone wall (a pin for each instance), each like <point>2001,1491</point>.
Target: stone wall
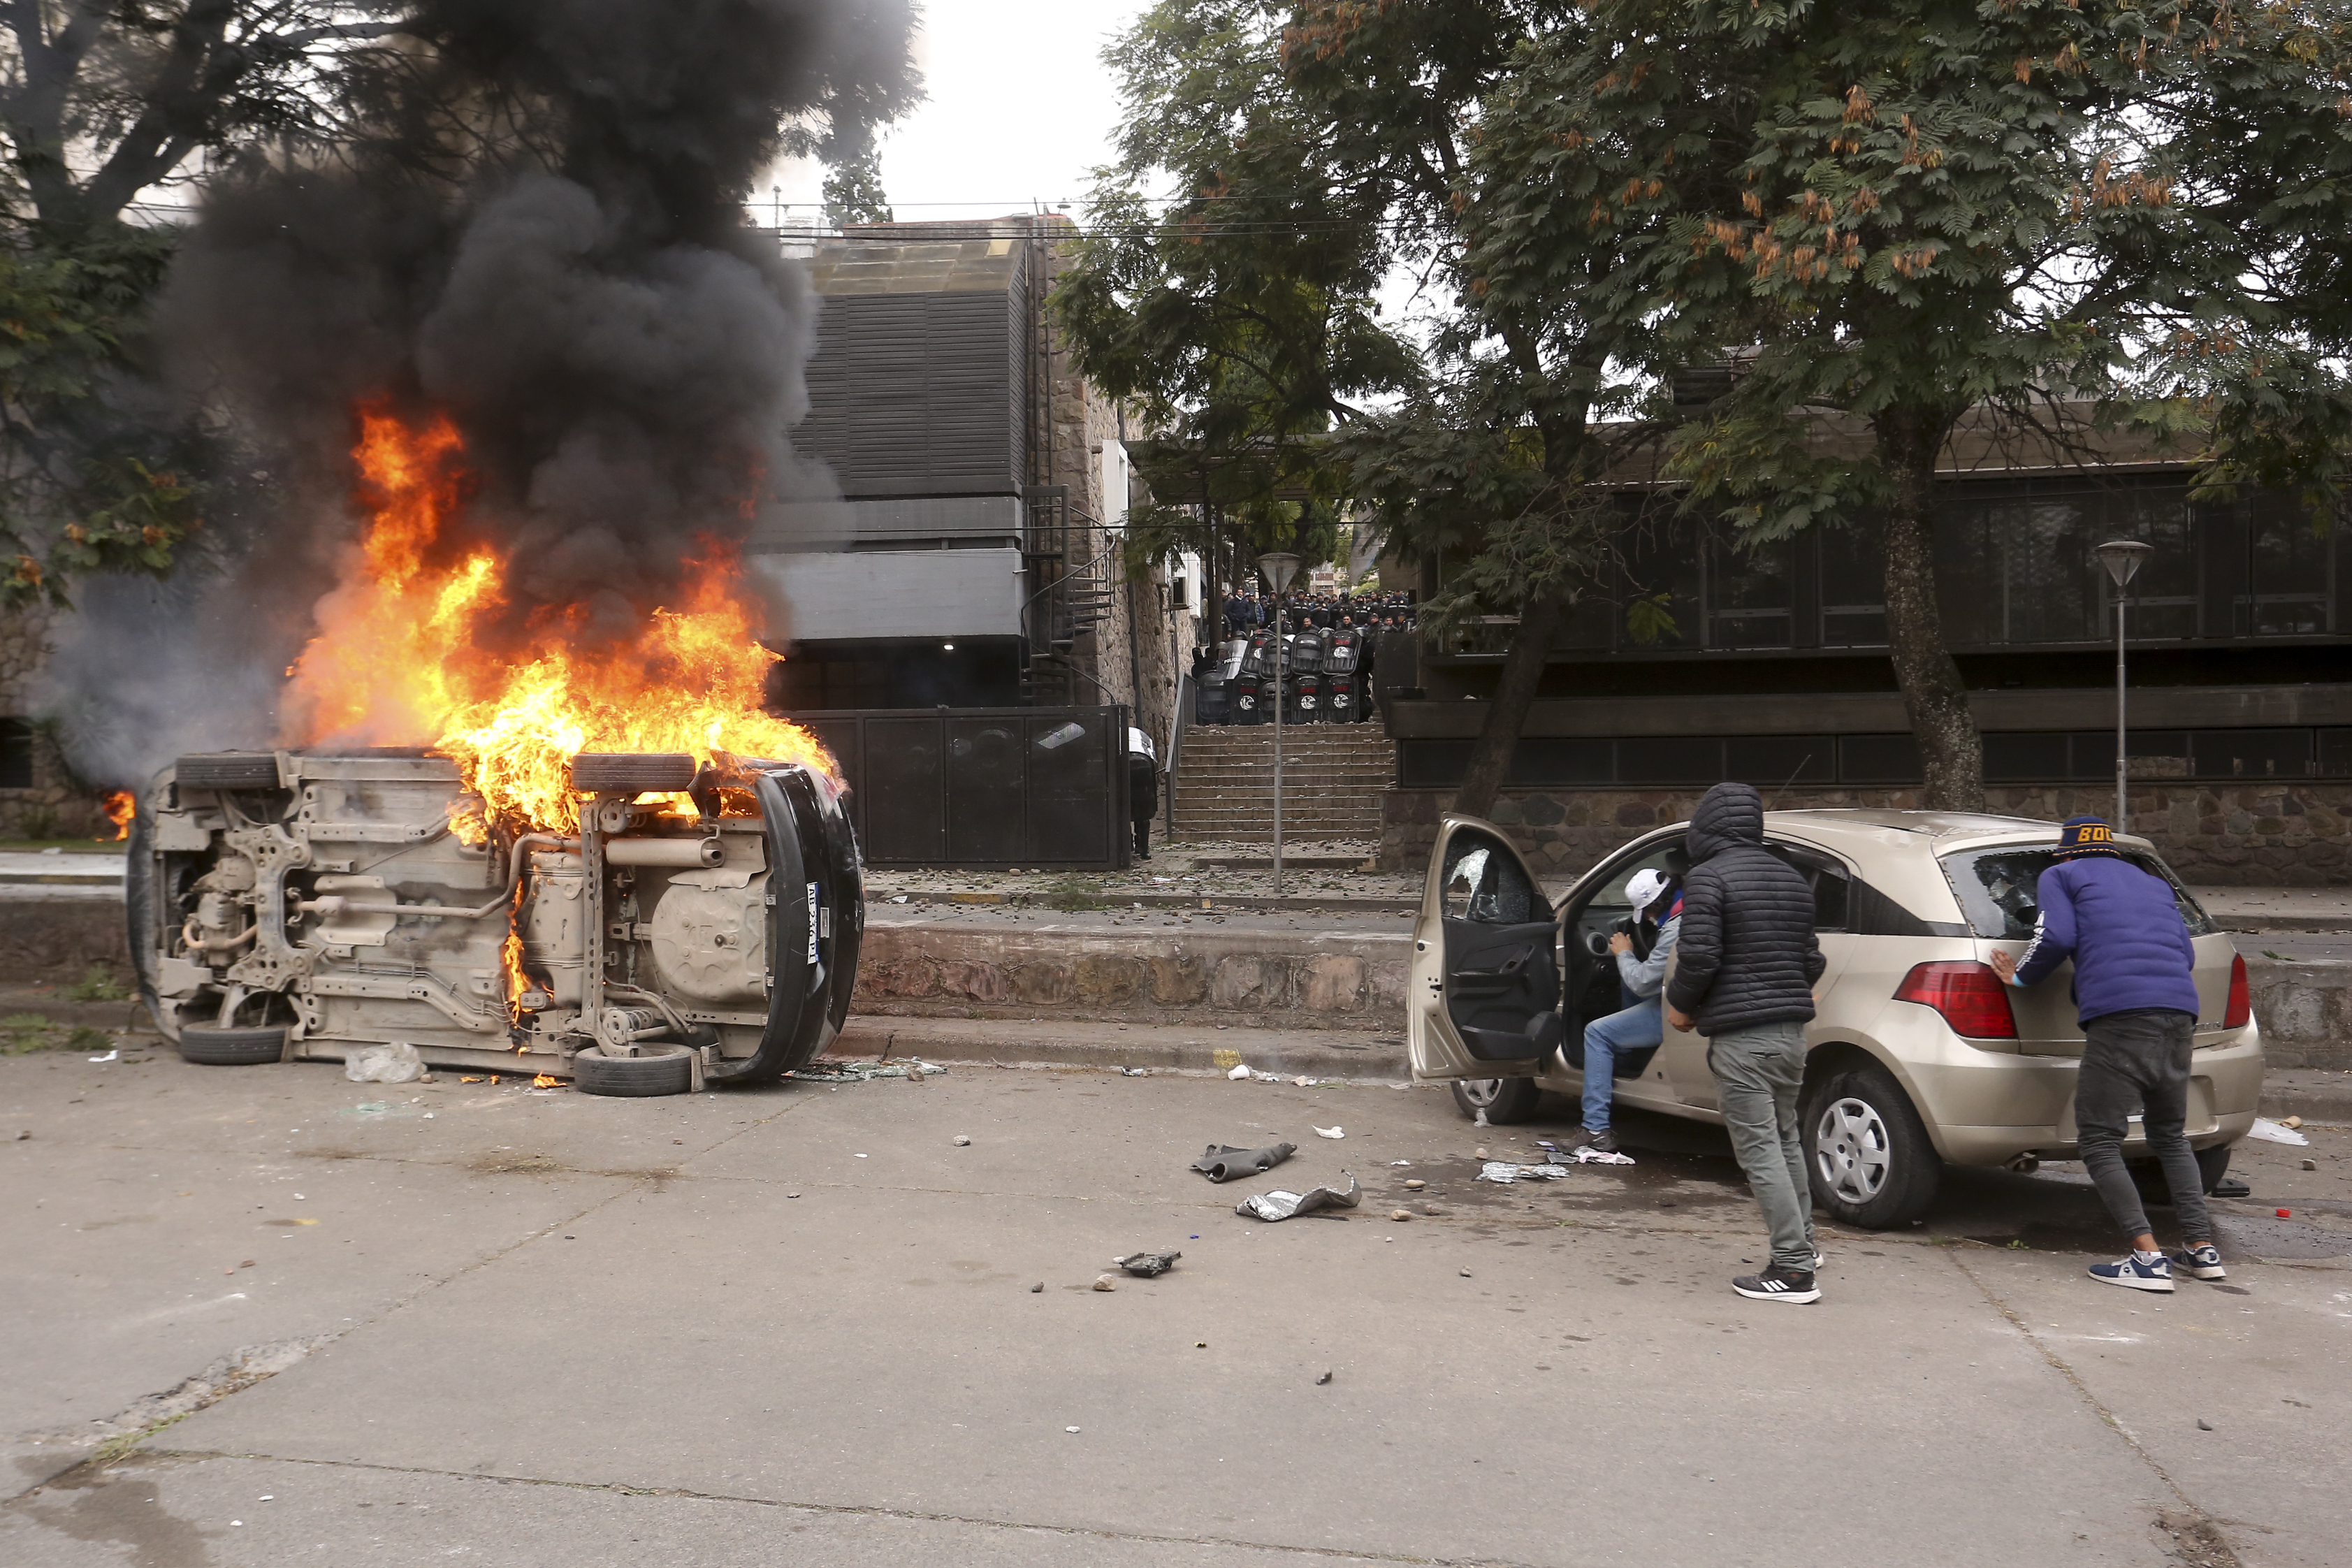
<point>1313,982</point>
<point>2267,833</point>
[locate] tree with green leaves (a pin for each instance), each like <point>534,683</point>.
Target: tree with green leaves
<point>1318,150</point>
<point>103,102</point>
<point>2044,218</point>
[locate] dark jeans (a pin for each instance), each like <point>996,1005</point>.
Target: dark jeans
<point>1143,838</point>
<point>2138,1060</point>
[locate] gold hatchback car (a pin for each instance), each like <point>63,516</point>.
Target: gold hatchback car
<point>1919,1055</point>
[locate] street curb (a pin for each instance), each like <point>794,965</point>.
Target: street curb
<point>1117,898</point>
<point>1318,1053</point>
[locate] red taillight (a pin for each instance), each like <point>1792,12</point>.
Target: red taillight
<point>2240,1010</point>
<point>1969,995</point>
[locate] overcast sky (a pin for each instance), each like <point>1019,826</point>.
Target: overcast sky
<point>1020,110</point>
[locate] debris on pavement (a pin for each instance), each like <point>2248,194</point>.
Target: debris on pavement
<point>858,1072</point>
<point>1399,1214</point>
<point>1038,1288</point>
<point>1330,1132</point>
<point>1223,1164</point>
<point>1415,1183</point>
<point>962,1139</point>
<point>1324,1379</point>
<point>2308,1164</point>
<point>1590,1156</point>
<point>1272,1206</point>
<point>109,1057</point>
<point>1239,1072</point>
<point>2291,1122</point>
<point>1504,1172</point>
<point>1135,1072</point>
<point>2203,1425</point>
<point>395,1061</point>
<point>1148,1265</point>
<point>1102,1282</point>
<point>1303,1082</point>
<point>2271,1132</point>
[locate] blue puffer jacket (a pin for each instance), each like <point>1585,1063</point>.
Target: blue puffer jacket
<point>2124,932</point>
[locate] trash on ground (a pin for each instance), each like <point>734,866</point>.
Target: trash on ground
<point>1148,1265</point>
<point>1102,1282</point>
<point>1069,1428</point>
<point>1590,1156</point>
<point>1303,1082</point>
<point>1330,1132</point>
<point>1271,1206</point>
<point>2271,1132</point>
<point>1324,1379</point>
<point>1135,1072</point>
<point>2291,1122</point>
<point>1239,1072</point>
<point>1223,1164</point>
<point>2203,1425</point>
<point>1266,1077</point>
<point>1400,1164</point>
<point>1503,1171</point>
<point>395,1061</point>
<point>858,1072</point>
<point>963,1141</point>
<point>1465,1274</point>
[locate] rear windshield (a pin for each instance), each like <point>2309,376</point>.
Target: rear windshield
<point>1997,888</point>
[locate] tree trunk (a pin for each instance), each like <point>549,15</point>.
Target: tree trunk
<point>1951,752</point>
<point>1507,715</point>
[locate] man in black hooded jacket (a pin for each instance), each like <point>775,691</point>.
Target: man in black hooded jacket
<point>1744,974</point>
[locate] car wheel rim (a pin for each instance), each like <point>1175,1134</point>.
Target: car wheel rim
<point>1482,1092</point>
<point>1851,1150</point>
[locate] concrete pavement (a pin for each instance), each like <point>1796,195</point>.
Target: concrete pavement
<point>796,1323</point>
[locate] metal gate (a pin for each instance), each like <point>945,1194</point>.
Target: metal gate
<point>986,786</point>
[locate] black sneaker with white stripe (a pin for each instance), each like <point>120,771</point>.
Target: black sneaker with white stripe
<point>1779,1284</point>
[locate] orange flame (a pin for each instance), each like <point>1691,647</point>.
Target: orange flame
<point>544,1081</point>
<point>120,809</point>
<point>397,659</point>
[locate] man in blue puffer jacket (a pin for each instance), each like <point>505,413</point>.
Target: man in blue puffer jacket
<point>2135,995</point>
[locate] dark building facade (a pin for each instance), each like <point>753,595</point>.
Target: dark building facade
<point>1774,672</point>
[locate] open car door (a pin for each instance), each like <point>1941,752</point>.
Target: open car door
<point>1485,970</point>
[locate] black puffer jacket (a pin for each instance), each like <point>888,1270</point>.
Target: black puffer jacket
<point>1748,953</point>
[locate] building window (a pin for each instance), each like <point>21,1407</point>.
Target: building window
<point>15,753</point>
<point>1852,587</point>
<point>1749,594</point>
<point>2290,572</point>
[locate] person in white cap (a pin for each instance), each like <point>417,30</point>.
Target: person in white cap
<point>1642,951</point>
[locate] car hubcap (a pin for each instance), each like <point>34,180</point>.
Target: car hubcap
<point>1850,1150</point>
<point>1481,1091</point>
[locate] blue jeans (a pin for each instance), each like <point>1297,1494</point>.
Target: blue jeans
<point>1636,1028</point>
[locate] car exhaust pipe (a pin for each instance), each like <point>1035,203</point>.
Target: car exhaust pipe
<point>677,852</point>
<point>2024,1164</point>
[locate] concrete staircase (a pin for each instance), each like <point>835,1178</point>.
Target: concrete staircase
<point>1332,776</point>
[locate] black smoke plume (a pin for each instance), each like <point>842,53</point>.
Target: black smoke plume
<point>534,226</point>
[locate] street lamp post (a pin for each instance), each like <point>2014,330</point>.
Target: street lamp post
<point>2122,558</point>
<point>1279,569</point>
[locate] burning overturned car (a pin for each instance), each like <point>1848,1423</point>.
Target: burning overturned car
<point>700,924</point>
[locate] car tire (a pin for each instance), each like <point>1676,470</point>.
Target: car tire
<point>1868,1153</point>
<point>632,773</point>
<point>1505,1100</point>
<point>2212,1164</point>
<point>231,1048</point>
<point>664,1069</point>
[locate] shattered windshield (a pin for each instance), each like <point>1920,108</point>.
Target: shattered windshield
<point>1996,888</point>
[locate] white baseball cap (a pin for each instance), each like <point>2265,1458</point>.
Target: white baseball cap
<point>1644,887</point>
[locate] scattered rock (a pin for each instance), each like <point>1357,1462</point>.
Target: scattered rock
<point>1465,1274</point>
<point>963,1141</point>
<point>1033,1289</point>
<point>2203,1425</point>
<point>1415,1185</point>
<point>1478,1154</point>
<point>2308,1164</point>
<point>1324,1379</point>
<point>1431,1209</point>
<point>1102,1282</point>
<point>1399,1214</point>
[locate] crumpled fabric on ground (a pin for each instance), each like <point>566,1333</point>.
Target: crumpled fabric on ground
<point>1221,1163</point>
<point>1590,1156</point>
<point>1505,1172</point>
<point>1148,1265</point>
<point>1272,1206</point>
